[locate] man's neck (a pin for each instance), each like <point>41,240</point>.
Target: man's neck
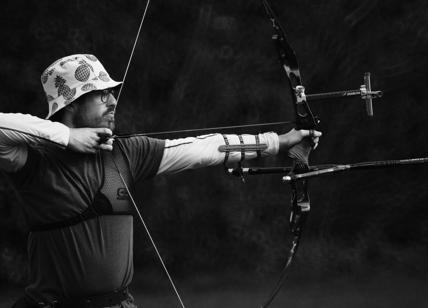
<point>68,120</point>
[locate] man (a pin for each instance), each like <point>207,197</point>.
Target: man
<point>76,205</point>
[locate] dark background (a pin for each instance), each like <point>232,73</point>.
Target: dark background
<point>212,63</point>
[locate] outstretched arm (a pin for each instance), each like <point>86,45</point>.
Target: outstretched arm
<point>203,151</point>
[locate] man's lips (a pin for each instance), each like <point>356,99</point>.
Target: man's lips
<point>109,115</point>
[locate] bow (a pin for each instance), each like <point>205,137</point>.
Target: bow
<point>304,119</point>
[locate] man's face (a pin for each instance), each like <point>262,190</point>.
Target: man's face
<point>97,109</point>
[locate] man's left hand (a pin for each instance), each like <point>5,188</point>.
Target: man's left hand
<point>293,137</point>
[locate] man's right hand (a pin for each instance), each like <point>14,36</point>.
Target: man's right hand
<point>90,140</point>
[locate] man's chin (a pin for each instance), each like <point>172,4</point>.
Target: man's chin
<point>111,125</point>
<point>108,124</point>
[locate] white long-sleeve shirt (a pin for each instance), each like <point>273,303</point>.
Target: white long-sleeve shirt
<point>17,131</point>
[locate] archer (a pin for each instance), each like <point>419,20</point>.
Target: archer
<point>76,196</point>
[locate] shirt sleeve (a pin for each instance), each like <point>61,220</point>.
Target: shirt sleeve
<point>203,151</point>
<point>143,154</point>
<point>17,131</point>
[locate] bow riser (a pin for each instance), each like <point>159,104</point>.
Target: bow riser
<point>300,202</point>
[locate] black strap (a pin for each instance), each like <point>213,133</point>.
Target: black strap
<point>114,298</point>
<point>241,141</point>
<point>226,154</point>
<point>259,152</point>
<point>87,214</point>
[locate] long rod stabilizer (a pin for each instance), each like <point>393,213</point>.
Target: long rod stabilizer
<point>357,166</point>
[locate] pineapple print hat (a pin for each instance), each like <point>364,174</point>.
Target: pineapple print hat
<point>70,77</point>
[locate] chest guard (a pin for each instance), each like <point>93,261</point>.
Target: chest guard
<point>110,199</point>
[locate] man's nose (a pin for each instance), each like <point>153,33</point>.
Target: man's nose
<point>111,102</point>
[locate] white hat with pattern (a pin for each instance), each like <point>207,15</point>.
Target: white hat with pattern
<point>70,77</point>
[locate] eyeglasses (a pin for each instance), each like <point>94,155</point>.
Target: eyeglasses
<point>105,94</point>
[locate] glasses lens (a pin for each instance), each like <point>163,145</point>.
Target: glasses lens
<point>105,94</point>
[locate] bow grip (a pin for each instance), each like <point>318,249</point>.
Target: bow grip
<point>299,153</point>
<point>304,120</point>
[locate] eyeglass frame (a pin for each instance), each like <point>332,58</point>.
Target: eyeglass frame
<point>106,93</point>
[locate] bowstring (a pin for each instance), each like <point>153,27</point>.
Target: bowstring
<point>132,51</point>
<point>120,174</point>
<point>146,228</point>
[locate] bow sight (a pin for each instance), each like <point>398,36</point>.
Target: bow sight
<point>365,91</point>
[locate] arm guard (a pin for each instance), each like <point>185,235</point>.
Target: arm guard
<point>242,147</point>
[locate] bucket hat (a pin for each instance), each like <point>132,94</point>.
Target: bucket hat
<point>70,77</point>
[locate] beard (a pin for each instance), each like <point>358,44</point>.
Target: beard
<point>107,120</point>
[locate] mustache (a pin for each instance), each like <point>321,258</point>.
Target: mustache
<point>109,110</point>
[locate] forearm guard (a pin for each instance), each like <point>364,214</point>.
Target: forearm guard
<point>242,147</point>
